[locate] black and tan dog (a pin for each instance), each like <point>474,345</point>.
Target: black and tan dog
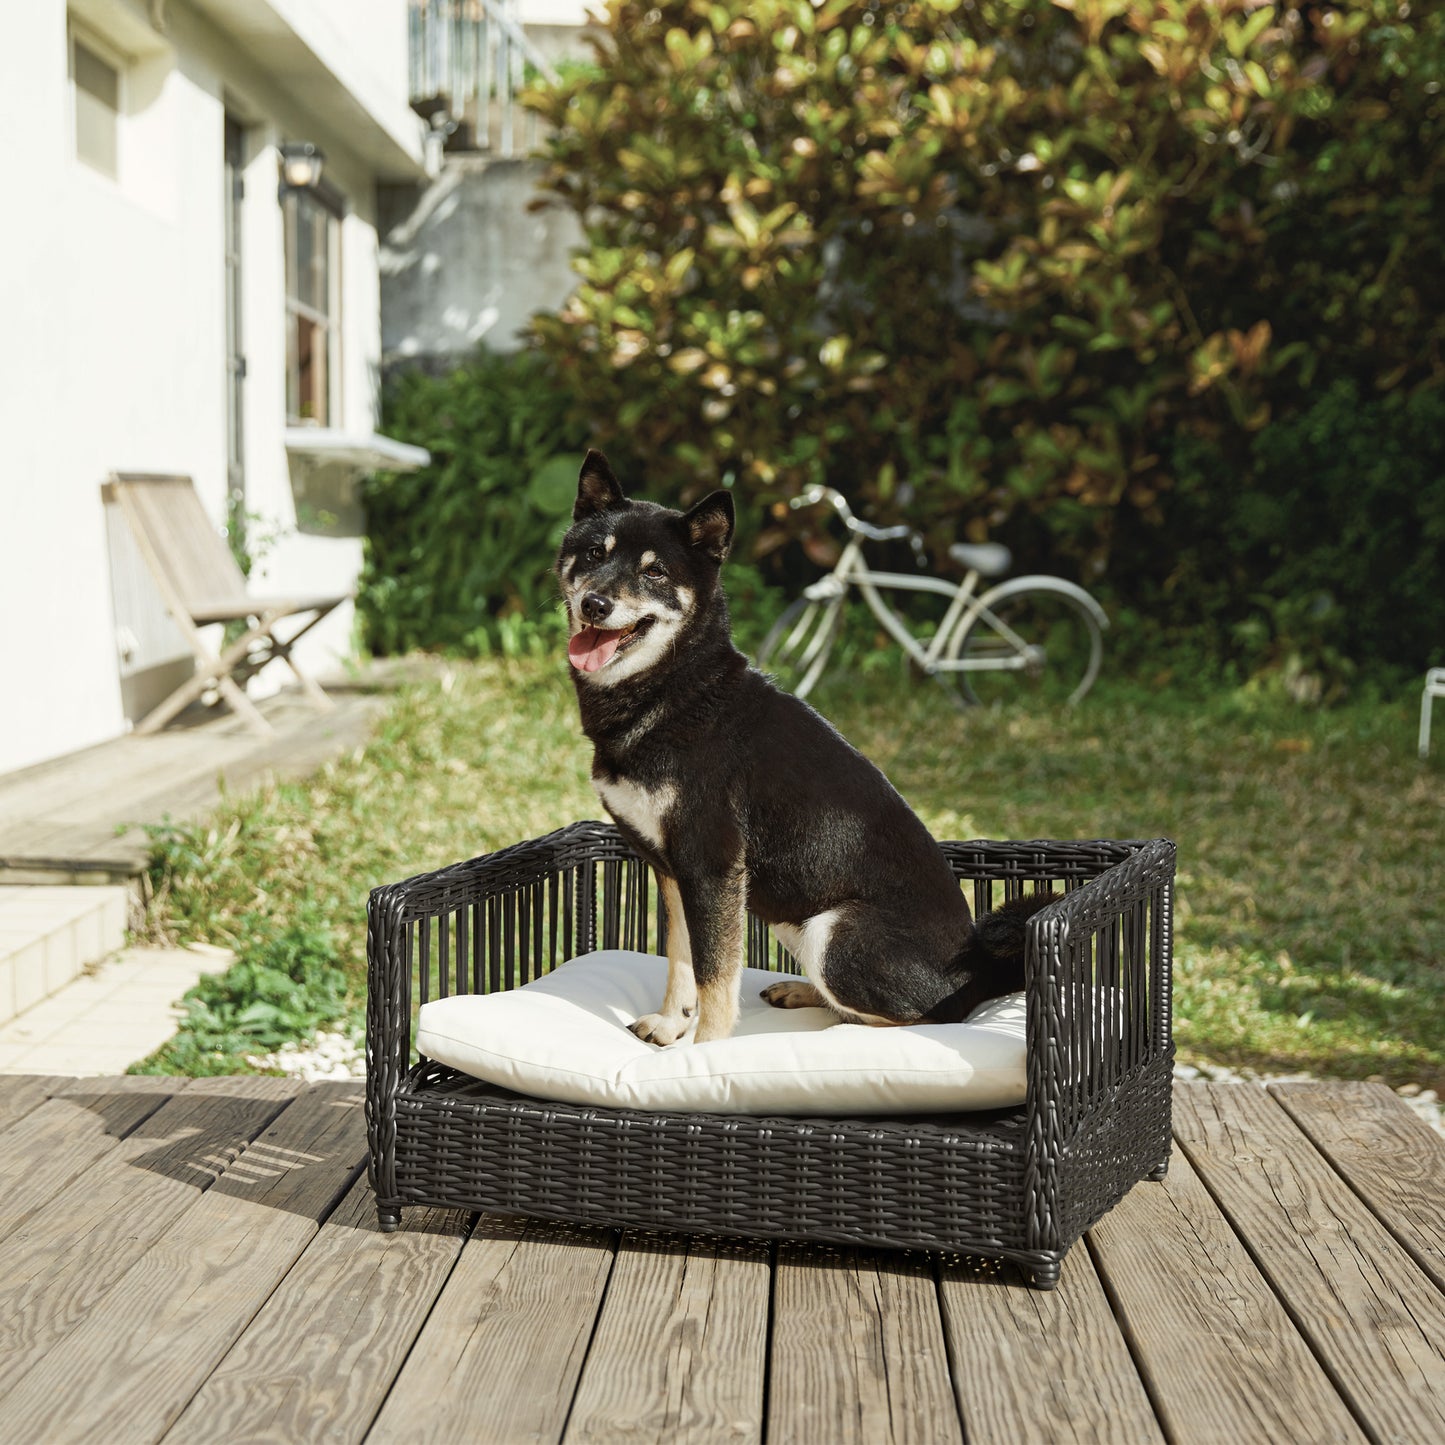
<point>742,797</point>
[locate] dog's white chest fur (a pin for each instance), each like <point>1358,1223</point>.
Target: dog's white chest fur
<point>642,809</point>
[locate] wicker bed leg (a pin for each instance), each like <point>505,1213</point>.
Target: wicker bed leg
<point>388,1218</point>
<point>1046,1275</point>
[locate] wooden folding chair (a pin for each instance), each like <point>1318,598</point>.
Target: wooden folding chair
<point>201,584</point>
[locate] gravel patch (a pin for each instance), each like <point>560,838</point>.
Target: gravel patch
<point>1424,1102</point>
<point>330,1055</point>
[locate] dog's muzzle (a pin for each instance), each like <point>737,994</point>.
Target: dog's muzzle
<point>592,648</point>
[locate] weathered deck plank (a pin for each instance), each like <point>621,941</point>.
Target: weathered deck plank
<point>177,1268</point>
<point>62,1138</point>
<point>78,814</point>
<point>1390,1157</point>
<point>69,1254</point>
<point>1376,1322</point>
<point>129,1368</point>
<point>500,1356</point>
<point>22,1095</point>
<point>317,1361</point>
<point>1036,1365</point>
<point>858,1352</point>
<point>680,1351</point>
<point>1218,1353</point>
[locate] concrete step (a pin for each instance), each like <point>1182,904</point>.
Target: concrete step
<point>50,936</point>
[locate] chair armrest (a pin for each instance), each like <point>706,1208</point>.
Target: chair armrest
<point>435,894</point>
<point>493,922</point>
<point>1098,975</point>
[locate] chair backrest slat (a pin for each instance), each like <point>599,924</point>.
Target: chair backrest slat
<point>180,539</point>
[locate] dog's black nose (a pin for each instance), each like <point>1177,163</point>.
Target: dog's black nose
<point>595,607</point>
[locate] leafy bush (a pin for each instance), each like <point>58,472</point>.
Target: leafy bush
<point>285,984</point>
<point>1332,550</point>
<point>991,265</point>
<point>1349,503</point>
<point>460,550</point>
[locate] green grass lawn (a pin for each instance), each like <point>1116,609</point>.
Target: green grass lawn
<point>1311,916</point>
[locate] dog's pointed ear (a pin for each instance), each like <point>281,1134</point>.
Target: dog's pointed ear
<point>709,526</point>
<point>597,489</point>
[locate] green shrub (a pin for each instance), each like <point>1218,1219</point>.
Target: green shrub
<point>1349,504</point>
<point>459,552</point>
<point>285,984</point>
<point>997,266</point>
<point>1328,543</point>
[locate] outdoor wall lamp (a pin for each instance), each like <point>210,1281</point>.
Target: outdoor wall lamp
<point>301,164</point>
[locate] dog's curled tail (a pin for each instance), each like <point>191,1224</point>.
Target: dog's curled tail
<point>1003,933</point>
<point>992,961</point>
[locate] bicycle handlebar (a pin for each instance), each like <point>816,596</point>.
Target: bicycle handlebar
<point>866,530</point>
<point>813,495</point>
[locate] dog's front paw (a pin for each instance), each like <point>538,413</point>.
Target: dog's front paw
<point>660,1029</point>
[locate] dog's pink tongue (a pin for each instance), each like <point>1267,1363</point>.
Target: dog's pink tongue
<point>592,647</point>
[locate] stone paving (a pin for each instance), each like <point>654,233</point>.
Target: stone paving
<point>109,1019</point>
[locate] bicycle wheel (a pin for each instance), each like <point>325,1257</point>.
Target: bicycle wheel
<point>1034,645</point>
<point>796,649</point>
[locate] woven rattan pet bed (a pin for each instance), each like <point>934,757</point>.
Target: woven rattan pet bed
<point>1020,1184</point>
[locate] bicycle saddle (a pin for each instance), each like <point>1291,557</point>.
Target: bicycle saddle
<point>988,559</point>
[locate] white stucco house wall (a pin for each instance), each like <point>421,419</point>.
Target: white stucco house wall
<point>164,309</point>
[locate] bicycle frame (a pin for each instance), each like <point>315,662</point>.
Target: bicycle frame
<point>852,570</point>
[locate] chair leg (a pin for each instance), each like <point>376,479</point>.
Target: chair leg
<point>313,689</point>
<point>1427,701</point>
<point>243,707</point>
<point>389,1220</point>
<point>215,671</point>
<point>159,716</point>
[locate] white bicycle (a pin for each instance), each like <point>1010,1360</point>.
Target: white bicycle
<point>1040,636</point>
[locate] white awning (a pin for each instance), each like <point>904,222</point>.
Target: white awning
<point>366,451</point>
<point>327,466</point>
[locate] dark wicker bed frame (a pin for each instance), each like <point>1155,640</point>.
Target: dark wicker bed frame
<point>1020,1184</point>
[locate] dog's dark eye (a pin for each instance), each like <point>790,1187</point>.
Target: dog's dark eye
<point>596,553</point>
<point>655,572</point>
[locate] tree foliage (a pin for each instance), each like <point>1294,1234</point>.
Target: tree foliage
<point>983,263</point>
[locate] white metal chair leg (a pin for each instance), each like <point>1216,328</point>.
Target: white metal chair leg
<point>1434,687</point>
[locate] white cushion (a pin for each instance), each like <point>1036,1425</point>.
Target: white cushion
<point>566,1037</point>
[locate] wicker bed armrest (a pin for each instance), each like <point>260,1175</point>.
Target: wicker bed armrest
<point>435,894</point>
<point>451,930</point>
<point>1098,979</point>
<point>490,922</point>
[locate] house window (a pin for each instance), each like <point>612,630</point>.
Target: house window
<point>311,320</point>
<point>95,76</point>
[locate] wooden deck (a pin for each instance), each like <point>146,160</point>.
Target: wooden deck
<point>198,1261</point>
<point>80,818</point>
